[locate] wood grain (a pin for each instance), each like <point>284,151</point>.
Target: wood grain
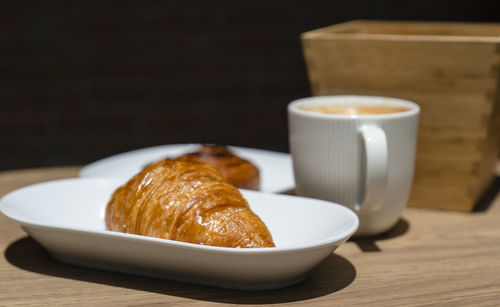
<point>430,257</point>
<point>452,70</point>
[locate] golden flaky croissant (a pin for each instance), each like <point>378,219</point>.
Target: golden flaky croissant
<point>186,201</point>
<point>240,172</point>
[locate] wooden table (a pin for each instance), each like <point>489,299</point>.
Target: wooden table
<point>429,257</point>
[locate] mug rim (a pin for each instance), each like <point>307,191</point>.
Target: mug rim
<point>326,100</point>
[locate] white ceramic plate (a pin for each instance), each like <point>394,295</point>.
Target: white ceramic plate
<point>67,218</point>
<point>276,173</point>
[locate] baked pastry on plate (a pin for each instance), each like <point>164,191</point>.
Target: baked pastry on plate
<point>186,201</point>
<point>241,173</point>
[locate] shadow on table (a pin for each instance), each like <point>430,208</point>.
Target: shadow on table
<point>490,194</point>
<point>333,274</point>
<point>369,243</point>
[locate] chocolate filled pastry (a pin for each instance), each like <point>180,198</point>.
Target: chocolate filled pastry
<point>186,201</point>
<point>241,173</point>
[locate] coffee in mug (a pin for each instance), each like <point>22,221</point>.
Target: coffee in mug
<point>358,151</point>
<point>357,109</point>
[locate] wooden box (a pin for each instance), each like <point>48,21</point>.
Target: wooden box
<point>452,70</point>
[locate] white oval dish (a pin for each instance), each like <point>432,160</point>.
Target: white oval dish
<point>67,218</point>
<point>276,173</point>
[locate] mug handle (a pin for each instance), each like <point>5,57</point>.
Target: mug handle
<point>375,181</point>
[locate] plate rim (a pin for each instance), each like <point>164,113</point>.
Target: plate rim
<point>87,170</point>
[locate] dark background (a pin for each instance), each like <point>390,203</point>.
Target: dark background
<point>82,80</point>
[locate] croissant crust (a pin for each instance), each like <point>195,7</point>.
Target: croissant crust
<point>239,172</point>
<point>186,201</point>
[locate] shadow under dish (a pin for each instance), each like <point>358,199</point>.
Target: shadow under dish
<point>331,275</point>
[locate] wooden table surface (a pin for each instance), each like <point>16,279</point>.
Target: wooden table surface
<point>429,257</point>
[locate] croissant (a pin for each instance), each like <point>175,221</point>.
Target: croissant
<point>186,201</point>
<point>240,172</point>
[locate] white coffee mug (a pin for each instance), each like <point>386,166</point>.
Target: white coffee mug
<point>362,161</point>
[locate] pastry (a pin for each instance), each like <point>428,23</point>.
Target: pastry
<point>241,173</point>
<point>186,201</point>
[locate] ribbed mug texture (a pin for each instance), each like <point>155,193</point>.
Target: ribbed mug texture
<point>329,156</point>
